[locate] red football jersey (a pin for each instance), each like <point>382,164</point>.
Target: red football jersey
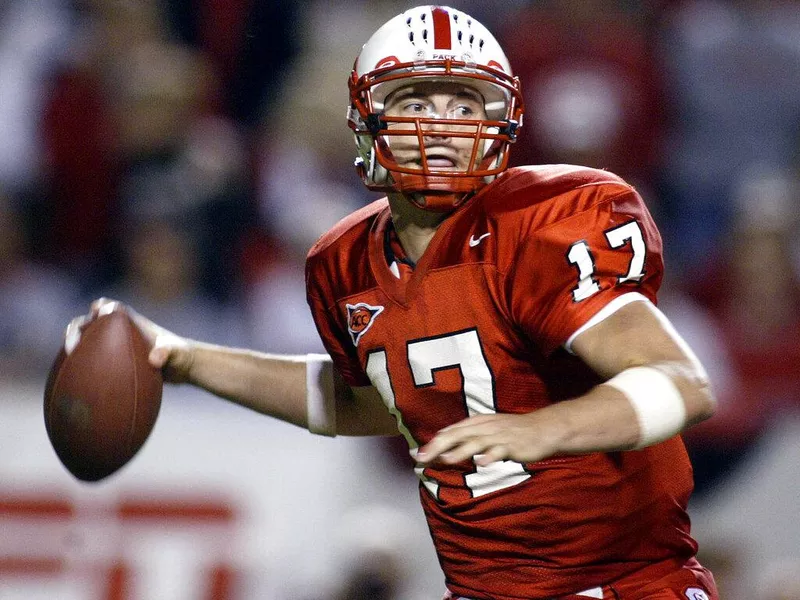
<point>480,328</point>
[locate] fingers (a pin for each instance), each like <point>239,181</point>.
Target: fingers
<point>458,434</point>
<point>483,451</point>
<point>98,308</point>
<point>460,441</point>
<point>168,352</point>
<point>163,346</point>
<point>158,357</point>
<point>104,306</point>
<point>173,354</point>
<point>485,439</point>
<point>492,454</point>
<point>449,449</point>
<point>150,330</point>
<point>155,334</point>
<point>73,333</point>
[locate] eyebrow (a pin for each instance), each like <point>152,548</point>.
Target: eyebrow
<point>411,93</point>
<point>471,94</point>
<point>402,95</point>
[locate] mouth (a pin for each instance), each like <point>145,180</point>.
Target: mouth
<point>440,160</point>
<point>441,163</point>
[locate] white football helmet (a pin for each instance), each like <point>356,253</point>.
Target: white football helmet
<point>432,43</point>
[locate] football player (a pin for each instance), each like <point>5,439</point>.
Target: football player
<point>504,321</point>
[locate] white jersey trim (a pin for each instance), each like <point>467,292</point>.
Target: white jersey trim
<point>605,312</point>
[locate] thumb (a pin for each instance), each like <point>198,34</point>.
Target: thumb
<point>172,354</point>
<point>158,356</point>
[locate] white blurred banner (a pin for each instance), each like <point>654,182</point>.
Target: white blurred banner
<point>220,504</point>
<point>225,504</point>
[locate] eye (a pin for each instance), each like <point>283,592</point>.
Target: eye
<point>462,111</point>
<point>415,108</point>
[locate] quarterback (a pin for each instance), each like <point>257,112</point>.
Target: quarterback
<point>504,321</point>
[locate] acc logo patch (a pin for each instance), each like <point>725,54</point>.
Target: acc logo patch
<point>360,318</point>
<point>694,593</point>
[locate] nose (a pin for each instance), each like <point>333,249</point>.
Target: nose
<point>437,130</point>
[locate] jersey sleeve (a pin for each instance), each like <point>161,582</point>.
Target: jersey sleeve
<point>566,272</point>
<point>334,334</point>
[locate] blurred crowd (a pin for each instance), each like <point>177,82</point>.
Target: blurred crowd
<point>183,155</point>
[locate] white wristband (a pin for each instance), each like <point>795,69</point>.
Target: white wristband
<point>655,398</point>
<point>320,398</point>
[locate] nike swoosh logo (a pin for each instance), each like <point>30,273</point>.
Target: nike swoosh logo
<point>473,241</point>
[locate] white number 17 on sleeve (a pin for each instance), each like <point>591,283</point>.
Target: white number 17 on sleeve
<point>581,257</point>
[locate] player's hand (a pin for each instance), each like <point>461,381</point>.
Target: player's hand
<point>491,438</point>
<point>169,352</point>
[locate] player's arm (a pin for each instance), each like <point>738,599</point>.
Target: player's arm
<point>655,389</point>
<point>304,390</point>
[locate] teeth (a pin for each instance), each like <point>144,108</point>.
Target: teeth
<point>440,161</point>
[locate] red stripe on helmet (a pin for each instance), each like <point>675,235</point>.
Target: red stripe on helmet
<point>441,29</point>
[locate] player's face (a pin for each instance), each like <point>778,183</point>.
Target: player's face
<point>435,100</point>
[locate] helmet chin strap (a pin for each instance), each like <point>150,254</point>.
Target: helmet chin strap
<point>422,191</point>
<point>432,193</point>
<point>442,202</point>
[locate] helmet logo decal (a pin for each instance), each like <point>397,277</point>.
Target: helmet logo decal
<point>496,65</point>
<point>389,61</point>
<point>360,318</point>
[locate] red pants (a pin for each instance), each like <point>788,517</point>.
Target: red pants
<point>660,581</point>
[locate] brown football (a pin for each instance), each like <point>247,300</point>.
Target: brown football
<point>102,397</point>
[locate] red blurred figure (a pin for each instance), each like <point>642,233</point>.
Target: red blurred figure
<point>593,86</point>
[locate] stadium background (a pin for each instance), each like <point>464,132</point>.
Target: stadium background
<point>182,155</point>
